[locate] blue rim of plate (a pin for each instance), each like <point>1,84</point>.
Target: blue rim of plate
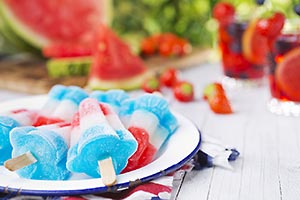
<point>10,191</point>
<point>115,188</point>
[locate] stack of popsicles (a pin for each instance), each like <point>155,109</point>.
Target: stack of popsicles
<point>101,134</point>
<point>62,102</point>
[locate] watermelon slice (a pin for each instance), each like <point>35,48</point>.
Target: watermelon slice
<point>114,65</point>
<point>41,23</point>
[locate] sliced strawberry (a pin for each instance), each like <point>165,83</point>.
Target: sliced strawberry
<point>211,89</point>
<point>214,93</point>
<point>169,77</point>
<point>272,26</point>
<point>220,104</point>
<point>151,85</point>
<point>183,91</point>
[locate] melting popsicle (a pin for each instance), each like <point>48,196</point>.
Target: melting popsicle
<point>62,104</point>
<point>98,141</point>
<point>152,123</point>
<point>113,97</point>
<point>6,125</point>
<point>40,153</point>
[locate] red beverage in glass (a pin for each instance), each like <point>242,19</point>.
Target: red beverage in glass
<point>235,64</point>
<point>284,75</point>
<point>284,45</point>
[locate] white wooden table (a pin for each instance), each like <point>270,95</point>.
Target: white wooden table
<point>269,164</point>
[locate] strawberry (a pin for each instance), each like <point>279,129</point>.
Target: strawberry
<point>224,13</point>
<point>183,91</point>
<point>151,84</point>
<point>214,93</point>
<point>169,77</point>
<point>220,104</point>
<point>166,45</point>
<point>210,89</point>
<point>271,27</point>
<point>148,46</point>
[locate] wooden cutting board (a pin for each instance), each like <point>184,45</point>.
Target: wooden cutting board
<point>30,75</point>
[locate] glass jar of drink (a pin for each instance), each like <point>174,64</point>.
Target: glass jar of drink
<point>244,45</point>
<point>284,71</point>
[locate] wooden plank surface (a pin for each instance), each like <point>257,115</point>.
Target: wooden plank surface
<point>30,76</point>
<point>268,167</point>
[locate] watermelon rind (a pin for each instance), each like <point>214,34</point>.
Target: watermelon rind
<point>20,29</point>
<point>132,83</point>
<point>64,67</point>
<point>14,40</point>
<point>32,37</point>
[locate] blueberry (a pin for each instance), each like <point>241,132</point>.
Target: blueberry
<point>284,44</point>
<point>236,29</point>
<point>236,47</point>
<point>297,9</point>
<point>260,2</point>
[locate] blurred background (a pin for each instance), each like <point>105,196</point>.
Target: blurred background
<point>190,19</point>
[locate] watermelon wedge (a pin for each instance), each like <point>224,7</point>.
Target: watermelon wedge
<point>46,22</point>
<point>114,65</point>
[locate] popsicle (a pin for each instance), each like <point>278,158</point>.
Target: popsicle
<point>62,104</point>
<point>114,97</point>
<point>99,142</point>
<point>26,117</point>
<point>40,153</point>
<point>6,125</point>
<point>152,123</point>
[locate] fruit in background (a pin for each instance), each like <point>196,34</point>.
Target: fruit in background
<point>260,2</point>
<point>114,65</point>
<point>67,50</point>
<point>151,85</point>
<point>255,46</point>
<point>9,37</point>
<point>56,29</point>
<point>75,66</point>
<point>68,59</point>
<point>287,75</point>
<point>297,9</point>
<point>169,77</point>
<point>218,102</point>
<point>210,89</point>
<point>183,91</point>
<point>271,27</point>
<point>259,37</point>
<point>165,44</point>
<point>224,13</point>
<point>42,23</point>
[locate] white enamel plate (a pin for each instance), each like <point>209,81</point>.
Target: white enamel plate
<point>181,147</point>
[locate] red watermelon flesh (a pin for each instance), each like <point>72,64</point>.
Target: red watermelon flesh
<point>67,50</point>
<point>57,20</point>
<point>113,58</point>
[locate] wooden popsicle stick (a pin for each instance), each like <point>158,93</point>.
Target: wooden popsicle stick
<point>20,161</point>
<point>107,171</point>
